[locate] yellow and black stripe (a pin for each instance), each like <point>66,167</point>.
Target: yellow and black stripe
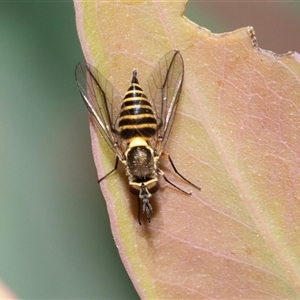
<point>136,117</point>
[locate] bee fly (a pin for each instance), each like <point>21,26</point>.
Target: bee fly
<point>136,128</point>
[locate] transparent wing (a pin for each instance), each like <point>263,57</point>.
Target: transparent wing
<point>102,101</point>
<point>164,87</point>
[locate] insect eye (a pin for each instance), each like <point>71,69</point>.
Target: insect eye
<point>135,190</point>
<point>153,188</point>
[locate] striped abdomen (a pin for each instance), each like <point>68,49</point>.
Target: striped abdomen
<point>136,117</point>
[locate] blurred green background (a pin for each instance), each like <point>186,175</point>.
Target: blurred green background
<point>55,239</point>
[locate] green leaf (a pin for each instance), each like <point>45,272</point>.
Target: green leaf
<point>236,134</point>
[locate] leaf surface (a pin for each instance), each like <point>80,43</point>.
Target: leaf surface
<point>5,292</point>
<point>236,134</point>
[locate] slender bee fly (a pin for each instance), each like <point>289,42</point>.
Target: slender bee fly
<point>136,127</point>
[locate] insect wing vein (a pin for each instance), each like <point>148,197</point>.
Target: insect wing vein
<point>164,87</point>
<point>102,101</point>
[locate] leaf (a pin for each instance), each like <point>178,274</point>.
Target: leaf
<point>5,292</point>
<point>236,134</point>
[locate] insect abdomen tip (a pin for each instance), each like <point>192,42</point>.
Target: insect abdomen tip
<point>134,77</point>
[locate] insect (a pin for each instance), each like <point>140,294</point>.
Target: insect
<point>136,127</point>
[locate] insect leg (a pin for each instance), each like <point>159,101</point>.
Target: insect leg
<point>145,196</point>
<point>161,173</point>
<point>114,169</point>
<point>139,210</point>
<point>174,168</point>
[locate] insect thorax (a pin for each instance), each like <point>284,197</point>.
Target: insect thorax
<point>140,164</point>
